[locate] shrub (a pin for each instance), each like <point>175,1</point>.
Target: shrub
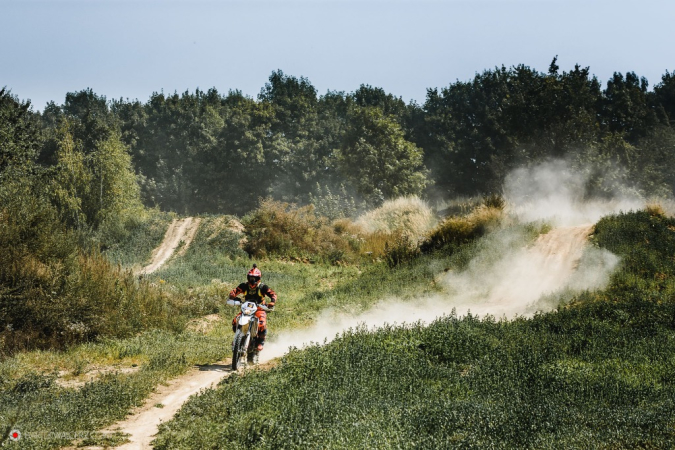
<point>455,231</point>
<point>53,294</point>
<point>286,230</point>
<point>333,205</point>
<point>494,201</point>
<point>409,216</point>
<point>400,251</point>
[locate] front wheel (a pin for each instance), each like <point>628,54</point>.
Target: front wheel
<point>236,351</point>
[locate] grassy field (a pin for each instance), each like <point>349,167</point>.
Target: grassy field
<point>35,399</point>
<point>595,373</point>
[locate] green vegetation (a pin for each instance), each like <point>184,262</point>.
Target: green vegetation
<point>595,373</point>
<point>32,401</point>
<point>286,231</point>
<point>282,230</point>
<point>76,181</point>
<point>454,231</point>
<point>206,152</point>
<point>134,248</point>
<point>52,293</point>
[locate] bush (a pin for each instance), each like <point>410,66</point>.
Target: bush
<point>53,294</point>
<point>333,205</point>
<point>401,250</point>
<point>286,230</point>
<point>455,231</point>
<point>408,216</point>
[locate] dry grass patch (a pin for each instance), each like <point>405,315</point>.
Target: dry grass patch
<point>408,216</point>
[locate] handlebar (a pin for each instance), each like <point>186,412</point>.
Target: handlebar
<point>237,302</point>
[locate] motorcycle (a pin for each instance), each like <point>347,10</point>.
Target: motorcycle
<point>243,352</point>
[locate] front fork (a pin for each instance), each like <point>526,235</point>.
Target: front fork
<point>251,332</point>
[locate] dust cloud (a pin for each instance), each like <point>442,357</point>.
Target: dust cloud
<point>508,275</point>
<point>557,192</point>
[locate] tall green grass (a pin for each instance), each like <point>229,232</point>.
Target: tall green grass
<point>134,249</point>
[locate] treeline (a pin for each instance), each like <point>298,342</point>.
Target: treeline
<point>208,152</point>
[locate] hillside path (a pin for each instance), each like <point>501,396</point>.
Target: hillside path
<point>179,230</point>
<point>143,423</point>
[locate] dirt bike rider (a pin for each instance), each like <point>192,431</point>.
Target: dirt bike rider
<point>255,291</point>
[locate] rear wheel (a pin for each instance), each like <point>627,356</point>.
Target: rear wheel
<point>236,351</point>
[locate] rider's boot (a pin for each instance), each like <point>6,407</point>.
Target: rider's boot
<point>261,340</point>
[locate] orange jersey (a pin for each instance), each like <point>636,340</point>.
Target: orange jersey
<point>256,294</point>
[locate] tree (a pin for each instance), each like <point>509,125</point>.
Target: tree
<point>625,107</point>
<point>236,171</point>
<point>378,160</point>
<point>664,94</point>
<point>92,120</point>
<point>71,179</point>
<point>116,195</point>
<point>474,133</point>
<point>297,157</point>
<point>20,134</point>
<point>366,95</point>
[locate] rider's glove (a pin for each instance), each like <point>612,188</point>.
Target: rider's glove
<point>270,306</point>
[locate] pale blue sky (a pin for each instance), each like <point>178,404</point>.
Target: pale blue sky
<point>129,49</point>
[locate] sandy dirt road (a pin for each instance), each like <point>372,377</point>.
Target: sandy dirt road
<point>143,424</point>
<point>179,230</point>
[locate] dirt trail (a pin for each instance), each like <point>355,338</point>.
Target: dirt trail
<point>564,245</point>
<point>179,230</point>
<point>521,279</point>
<point>142,425</point>
<point>161,406</point>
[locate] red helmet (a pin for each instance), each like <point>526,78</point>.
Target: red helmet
<point>253,276</point>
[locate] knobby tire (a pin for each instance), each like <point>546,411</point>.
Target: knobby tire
<point>236,360</point>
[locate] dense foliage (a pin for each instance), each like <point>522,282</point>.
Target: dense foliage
<point>205,152</point>
<point>595,373</point>
<point>56,289</point>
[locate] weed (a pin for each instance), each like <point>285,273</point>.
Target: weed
<point>105,440</point>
